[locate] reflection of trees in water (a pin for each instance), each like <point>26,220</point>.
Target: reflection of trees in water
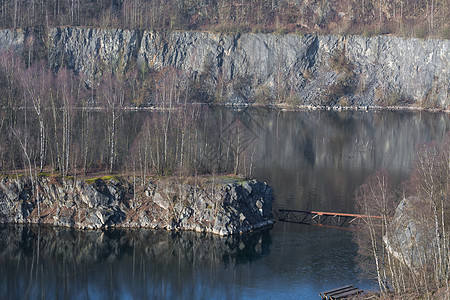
<point>112,245</point>
<point>198,140</point>
<point>319,158</point>
<point>311,155</point>
<point>62,260</point>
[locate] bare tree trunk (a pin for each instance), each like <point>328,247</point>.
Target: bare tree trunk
<point>86,132</point>
<point>112,141</point>
<point>166,129</point>
<point>432,16</point>
<point>38,110</point>
<point>237,152</point>
<point>15,13</point>
<point>30,169</point>
<point>380,15</point>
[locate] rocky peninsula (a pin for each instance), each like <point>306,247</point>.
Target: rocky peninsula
<point>222,206</point>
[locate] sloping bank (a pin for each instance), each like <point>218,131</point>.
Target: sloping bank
<point>242,68</point>
<point>220,206</point>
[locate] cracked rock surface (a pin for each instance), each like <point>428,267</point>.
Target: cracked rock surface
<point>222,207</point>
<point>380,68</point>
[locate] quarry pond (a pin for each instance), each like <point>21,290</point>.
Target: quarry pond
<point>313,160</point>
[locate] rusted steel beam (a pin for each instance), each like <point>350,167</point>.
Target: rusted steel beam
<point>323,213</point>
<point>322,218</point>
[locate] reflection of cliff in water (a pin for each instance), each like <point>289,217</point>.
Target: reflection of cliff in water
<point>347,139</point>
<point>57,261</point>
<point>115,244</point>
<point>316,159</point>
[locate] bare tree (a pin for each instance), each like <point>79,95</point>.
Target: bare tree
<point>430,180</point>
<point>113,97</point>
<point>374,198</point>
<point>424,265</point>
<point>37,82</point>
<point>67,92</point>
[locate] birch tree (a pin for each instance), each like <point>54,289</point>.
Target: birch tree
<point>37,81</point>
<point>113,97</point>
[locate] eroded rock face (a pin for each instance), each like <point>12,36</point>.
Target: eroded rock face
<point>218,207</point>
<point>383,67</point>
<point>90,50</point>
<point>412,237</point>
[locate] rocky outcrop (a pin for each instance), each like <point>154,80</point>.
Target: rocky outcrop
<point>222,207</point>
<point>308,69</point>
<point>91,51</point>
<point>12,40</point>
<point>411,237</point>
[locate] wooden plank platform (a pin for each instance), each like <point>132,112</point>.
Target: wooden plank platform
<point>341,292</point>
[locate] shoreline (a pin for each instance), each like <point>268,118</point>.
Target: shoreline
<point>281,106</point>
<point>266,225</point>
<point>287,107</point>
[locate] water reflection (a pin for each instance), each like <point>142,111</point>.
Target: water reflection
<point>58,262</point>
<point>313,160</point>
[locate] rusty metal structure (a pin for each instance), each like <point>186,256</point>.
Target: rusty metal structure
<point>320,218</point>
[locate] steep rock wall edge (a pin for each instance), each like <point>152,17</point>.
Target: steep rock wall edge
<point>387,69</point>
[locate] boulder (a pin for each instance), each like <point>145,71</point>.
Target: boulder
<point>411,236</point>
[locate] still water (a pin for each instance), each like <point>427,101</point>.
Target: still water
<point>313,160</point>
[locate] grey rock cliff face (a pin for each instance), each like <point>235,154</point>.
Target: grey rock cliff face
<point>12,40</point>
<point>384,68</point>
<point>221,208</point>
<point>91,51</point>
<point>415,69</point>
<point>411,238</point>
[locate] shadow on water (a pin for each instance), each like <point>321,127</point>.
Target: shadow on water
<point>39,262</point>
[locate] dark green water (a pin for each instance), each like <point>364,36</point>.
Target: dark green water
<point>313,160</point>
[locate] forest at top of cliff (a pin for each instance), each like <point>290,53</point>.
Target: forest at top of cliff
<point>408,18</point>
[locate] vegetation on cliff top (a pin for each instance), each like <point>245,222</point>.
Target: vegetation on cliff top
<point>419,18</point>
